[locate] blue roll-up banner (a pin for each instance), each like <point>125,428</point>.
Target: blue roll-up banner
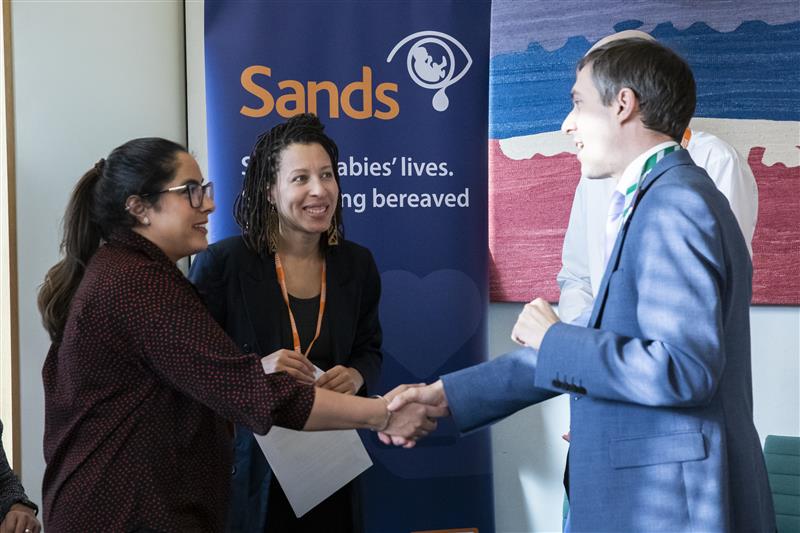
<point>402,87</point>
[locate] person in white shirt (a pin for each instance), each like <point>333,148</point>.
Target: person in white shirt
<point>584,251</point>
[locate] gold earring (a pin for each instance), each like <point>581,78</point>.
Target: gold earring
<point>333,232</point>
<point>272,228</point>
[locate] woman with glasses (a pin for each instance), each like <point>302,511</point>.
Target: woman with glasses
<point>140,381</point>
<point>291,286</point>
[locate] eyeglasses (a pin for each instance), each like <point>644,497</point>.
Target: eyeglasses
<point>194,191</point>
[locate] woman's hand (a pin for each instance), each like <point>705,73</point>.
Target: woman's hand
<point>408,424</point>
<point>414,410</point>
<point>432,395</point>
<point>341,379</point>
<point>20,519</point>
<point>293,363</point>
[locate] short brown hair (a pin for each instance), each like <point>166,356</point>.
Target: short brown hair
<point>660,78</point>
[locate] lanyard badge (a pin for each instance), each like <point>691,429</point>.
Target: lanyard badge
<point>322,291</point>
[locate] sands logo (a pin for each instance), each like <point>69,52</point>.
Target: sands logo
<point>431,65</point>
<point>423,68</point>
<point>360,99</point>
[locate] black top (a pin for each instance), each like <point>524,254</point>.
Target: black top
<point>306,314</point>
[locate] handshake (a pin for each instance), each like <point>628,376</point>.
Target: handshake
<point>413,410</point>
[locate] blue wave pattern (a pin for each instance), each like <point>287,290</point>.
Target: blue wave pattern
<point>749,73</point>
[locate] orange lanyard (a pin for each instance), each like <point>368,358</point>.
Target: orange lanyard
<point>687,136</point>
<point>322,290</point>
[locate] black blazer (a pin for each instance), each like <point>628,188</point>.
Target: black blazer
<point>242,293</point>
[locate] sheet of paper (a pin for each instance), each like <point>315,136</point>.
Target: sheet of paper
<point>310,466</point>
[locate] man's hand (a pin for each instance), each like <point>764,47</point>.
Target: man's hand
<point>432,397</point>
<point>20,519</point>
<point>291,362</point>
<point>533,322</point>
<point>341,379</point>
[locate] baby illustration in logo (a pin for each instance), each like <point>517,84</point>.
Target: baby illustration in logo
<point>424,66</point>
<point>425,72</point>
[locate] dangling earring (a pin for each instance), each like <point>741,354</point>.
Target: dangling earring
<point>333,232</point>
<point>272,228</point>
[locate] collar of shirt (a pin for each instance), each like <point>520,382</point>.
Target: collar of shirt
<point>634,170</point>
<point>130,239</point>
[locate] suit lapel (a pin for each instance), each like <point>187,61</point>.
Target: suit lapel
<point>679,157</point>
<point>600,300</point>
<point>337,315</point>
<point>263,302</point>
<point>337,272</point>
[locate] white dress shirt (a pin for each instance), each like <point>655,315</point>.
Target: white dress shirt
<point>632,175</point>
<point>583,255</point>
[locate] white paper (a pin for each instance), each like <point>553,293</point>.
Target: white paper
<point>312,465</point>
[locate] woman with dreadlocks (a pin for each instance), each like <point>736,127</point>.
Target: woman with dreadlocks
<point>292,287</point>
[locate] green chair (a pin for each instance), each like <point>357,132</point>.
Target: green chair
<point>782,455</point>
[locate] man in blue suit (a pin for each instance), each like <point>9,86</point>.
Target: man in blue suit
<point>662,434</point>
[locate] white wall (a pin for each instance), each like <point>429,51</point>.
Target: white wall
<point>89,76</point>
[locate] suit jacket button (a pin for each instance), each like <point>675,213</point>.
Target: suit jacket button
<point>246,348</point>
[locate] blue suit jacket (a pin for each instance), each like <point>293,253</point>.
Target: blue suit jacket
<point>662,412</point>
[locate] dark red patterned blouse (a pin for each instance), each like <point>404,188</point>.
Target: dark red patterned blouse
<point>137,396</point>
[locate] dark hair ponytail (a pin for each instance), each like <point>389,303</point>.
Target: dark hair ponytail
<point>81,239</point>
<point>96,208</point>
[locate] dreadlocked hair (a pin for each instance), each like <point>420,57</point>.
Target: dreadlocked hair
<point>251,210</point>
